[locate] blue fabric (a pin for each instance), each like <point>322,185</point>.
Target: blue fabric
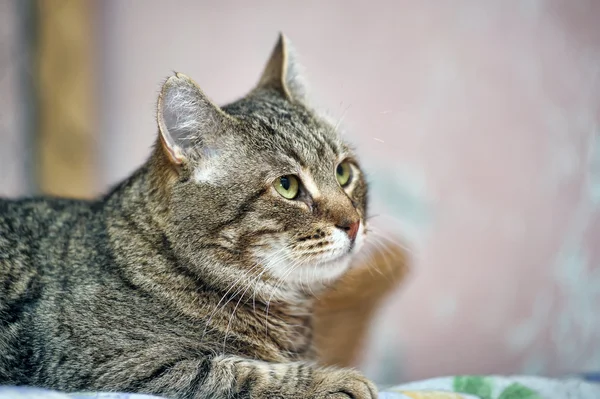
<point>592,377</point>
<point>36,393</point>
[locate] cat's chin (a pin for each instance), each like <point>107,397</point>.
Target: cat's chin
<point>313,277</point>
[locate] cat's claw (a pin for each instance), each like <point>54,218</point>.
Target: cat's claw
<point>346,384</point>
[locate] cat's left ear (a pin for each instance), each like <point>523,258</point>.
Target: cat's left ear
<point>283,72</point>
<point>186,117</point>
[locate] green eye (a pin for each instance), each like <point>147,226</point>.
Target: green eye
<point>343,172</point>
<point>287,186</point>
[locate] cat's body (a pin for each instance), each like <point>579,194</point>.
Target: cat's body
<point>82,303</point>
<point>192,278</point>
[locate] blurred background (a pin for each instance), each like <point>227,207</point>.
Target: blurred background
<point>477,120</point>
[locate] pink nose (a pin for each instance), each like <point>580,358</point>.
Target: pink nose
<point>350,227</point>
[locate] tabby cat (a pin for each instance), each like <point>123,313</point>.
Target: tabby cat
<point>194,277</point>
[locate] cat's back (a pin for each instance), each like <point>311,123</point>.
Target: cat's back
<point>30,220</point>
<point>34,235</point>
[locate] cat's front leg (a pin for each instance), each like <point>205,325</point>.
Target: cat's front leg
<point>236,377</point>
<point>257,379</point>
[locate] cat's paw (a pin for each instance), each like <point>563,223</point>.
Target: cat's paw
<point>344,384</point>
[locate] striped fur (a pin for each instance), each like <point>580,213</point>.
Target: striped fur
<point>193,278</point>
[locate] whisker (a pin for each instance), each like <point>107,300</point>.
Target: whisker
<point>281,280</point>
<point>232,286</point>
<point>236,307</point>
<point>396,242</point>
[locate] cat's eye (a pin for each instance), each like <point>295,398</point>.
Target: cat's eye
<point>343,172</point>
<point>287,186</point>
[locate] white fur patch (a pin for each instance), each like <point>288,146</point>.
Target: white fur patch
<point>340,239</point>
<point>208,169</point>
<point>205,174</point>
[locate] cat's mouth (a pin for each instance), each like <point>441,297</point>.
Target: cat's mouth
<point>339,249</point>
<point>333,249</point>
<point>343,245</point>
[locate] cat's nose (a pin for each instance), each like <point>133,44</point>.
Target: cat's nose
<point>350,227</point>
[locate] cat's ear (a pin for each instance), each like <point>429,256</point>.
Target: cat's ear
<point>184,116</point>
<point>283,72</point>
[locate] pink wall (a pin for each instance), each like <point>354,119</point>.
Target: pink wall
<point>479,121</point>
<point>12,140</point>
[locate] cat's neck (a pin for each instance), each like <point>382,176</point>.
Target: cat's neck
<point>142,197</point>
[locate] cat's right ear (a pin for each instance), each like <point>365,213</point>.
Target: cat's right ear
<point>184,116</point>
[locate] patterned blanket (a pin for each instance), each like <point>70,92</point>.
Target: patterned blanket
<point>461,387</point>
<point>495,387</point>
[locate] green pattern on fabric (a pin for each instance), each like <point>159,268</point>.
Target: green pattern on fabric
<point>473,385</point>
<point>518,391</point>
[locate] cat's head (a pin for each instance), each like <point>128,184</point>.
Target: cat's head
<point>264,183</point>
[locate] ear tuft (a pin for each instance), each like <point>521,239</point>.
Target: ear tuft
<point>184,116</point>
<point>283,71</point>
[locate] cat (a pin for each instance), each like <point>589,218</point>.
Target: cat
<point>194,277</point>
